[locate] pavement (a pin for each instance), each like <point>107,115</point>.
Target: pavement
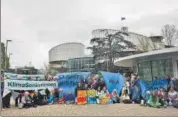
<point>91,110</point>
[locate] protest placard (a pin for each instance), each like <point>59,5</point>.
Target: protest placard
<point>91,93</point>
<point>81,93</point>
<point>81,97</point>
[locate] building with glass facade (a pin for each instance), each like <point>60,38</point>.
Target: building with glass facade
<point>82,64</point>
<point>152,64</point>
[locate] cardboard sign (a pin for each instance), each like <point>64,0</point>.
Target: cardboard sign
<point>81,97</point>
<point>105,100</point>
<point>81,100</point>
<point>81,93</point>
<point>91,93</point>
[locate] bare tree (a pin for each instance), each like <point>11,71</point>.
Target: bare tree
<point>170,34</point>
<point>46,68</point>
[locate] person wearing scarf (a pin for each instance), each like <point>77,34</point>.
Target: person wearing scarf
<point>115,96</point>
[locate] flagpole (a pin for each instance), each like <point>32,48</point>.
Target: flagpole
<point>122,23</point>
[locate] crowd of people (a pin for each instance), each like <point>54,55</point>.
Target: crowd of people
<point>162,97</point>
<point>153,98</point>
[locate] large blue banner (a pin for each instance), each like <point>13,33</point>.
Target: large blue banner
<point>143,86</point>
<point>158,84</point>
<point>113,81</point>
<point>69,81</point>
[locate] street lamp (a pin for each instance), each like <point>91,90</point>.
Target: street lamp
<point>7,41</point>
<point>9,57</point>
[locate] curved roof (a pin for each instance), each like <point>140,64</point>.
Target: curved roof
<point>67,44</point>
<point>129,60</point>
<point>115,30</point>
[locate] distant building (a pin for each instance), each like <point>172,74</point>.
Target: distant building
<point>157,63</point>
<point>70,57</point>
<point>59,55</point>
<point>82,64</point>
<point>26,70</point>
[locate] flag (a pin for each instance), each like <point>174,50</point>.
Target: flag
<point>122,18</point>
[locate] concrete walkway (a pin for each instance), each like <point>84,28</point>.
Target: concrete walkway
<point>91,110</point>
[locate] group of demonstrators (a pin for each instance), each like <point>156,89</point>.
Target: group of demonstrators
<point>94,90</point>
<point>163,97</point>
<point>159,97</point>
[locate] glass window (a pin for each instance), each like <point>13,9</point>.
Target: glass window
<point>145,71</point>
<point>158,68</point>
<point>155,68</point>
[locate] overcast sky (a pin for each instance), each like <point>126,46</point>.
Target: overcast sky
<point>35,26</point>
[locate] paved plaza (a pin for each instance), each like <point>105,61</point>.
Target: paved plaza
<point>91,110</point>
